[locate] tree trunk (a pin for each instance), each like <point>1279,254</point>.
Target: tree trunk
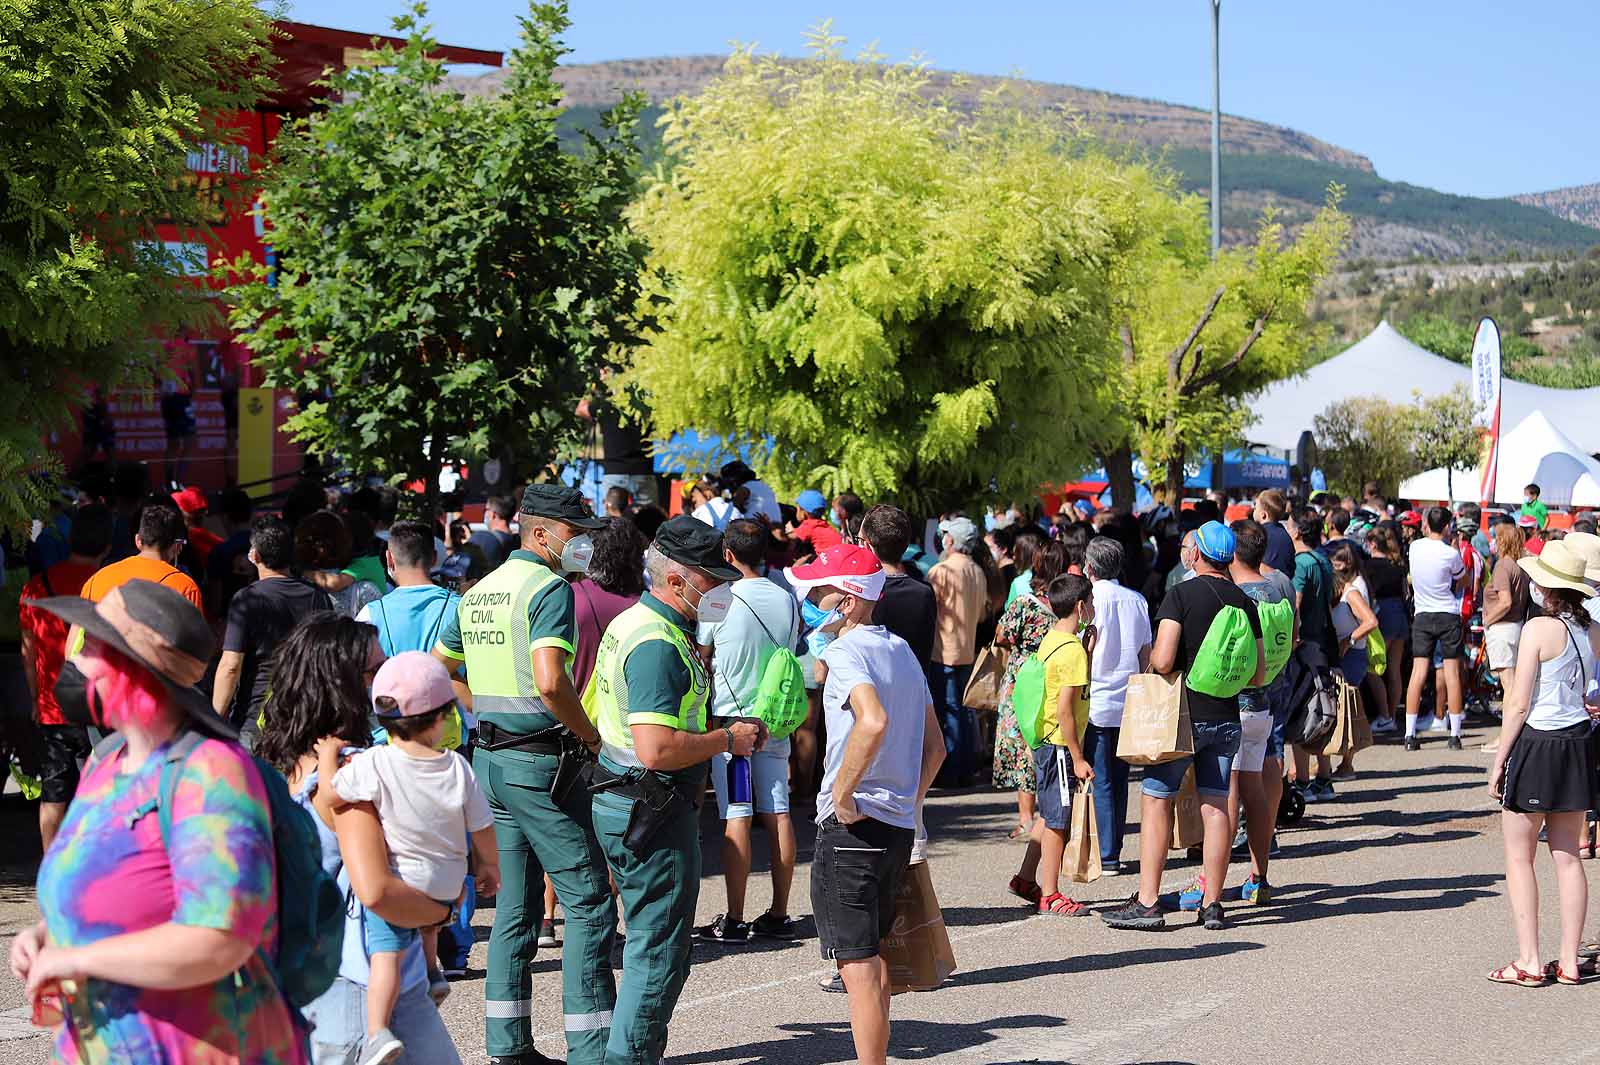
<point>1175,479</point>
<point>1119,473</point>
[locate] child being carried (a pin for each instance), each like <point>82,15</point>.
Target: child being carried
<point>433,814</point>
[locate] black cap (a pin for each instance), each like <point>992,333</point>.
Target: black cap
<point>560,503</point>
<point>736,473</point>
<point>691,542</point>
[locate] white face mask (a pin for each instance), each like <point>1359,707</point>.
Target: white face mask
<point>576,553</point>
<point>1536,593</point>
<point>713,606</point>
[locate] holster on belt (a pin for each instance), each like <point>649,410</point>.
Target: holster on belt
<point>574,767</point>
<point>654,804</point>
<point>545,741</point>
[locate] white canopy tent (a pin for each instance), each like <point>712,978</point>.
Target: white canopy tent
<point>1385,363</point>
<point>1535,452</point>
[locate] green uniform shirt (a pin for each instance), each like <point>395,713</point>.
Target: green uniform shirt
<point>481,620</point>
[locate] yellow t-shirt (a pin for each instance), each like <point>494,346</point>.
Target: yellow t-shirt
<point>1066,665</point>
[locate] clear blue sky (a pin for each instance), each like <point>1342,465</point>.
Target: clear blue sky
<point>1470,96</point>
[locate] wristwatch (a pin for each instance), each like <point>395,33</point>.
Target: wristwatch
<point>729,733</point>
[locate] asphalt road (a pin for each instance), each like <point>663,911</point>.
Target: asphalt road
<point>1389,912</point>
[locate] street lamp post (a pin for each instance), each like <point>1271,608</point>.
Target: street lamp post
<point>1216,129</point>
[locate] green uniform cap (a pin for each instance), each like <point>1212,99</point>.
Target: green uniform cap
<point>560,503</point>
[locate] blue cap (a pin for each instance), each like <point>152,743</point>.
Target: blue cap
<point>812,500</point>
<point>1215,541</point>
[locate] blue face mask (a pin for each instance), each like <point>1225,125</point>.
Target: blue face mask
<point>813,615</point>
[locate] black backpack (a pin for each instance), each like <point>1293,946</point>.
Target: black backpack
<point>1313,696</point>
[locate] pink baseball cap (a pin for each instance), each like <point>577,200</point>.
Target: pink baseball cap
<point>416,681</point>
<point>848,567</point>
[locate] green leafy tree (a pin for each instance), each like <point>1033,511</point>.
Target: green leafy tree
<point>1366,438</point>
<point>1443,434</point>
<point>452,277</point>
<point>102,100</point>
<point>906,299</point>
<point>1201,335</point>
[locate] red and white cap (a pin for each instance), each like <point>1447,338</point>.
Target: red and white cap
<point>850,568</point>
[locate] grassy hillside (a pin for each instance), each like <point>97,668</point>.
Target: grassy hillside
<point>1481,224</point>
<point>1262,164</point>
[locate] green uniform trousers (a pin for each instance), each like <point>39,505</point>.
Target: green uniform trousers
<point>536,837</point>
<point>659,894</point>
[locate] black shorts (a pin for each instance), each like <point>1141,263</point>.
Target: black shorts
<point>177,414</point>
<point>1440,630</point>
<point>64,747</point>
<point>855,874</point>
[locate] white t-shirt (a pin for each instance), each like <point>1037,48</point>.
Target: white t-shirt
<point>764,616</point>
<point>1122,624</point>
<point>871,654</point>
<point>1435,567</point>
<point>763,501</point>
<point>428,807</point>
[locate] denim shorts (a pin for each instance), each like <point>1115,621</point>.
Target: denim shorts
<point>769,782</point>
<point>856,871</point>
<point>1392,620</point>
<point>383,937</point>
<point>1279,693</point>
<point>1353,666</point>
<point>1052,772</point>
<point>1215,744</point>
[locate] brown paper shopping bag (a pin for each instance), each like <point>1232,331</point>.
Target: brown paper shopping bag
<point>1339,740</point>
<point>1155,720</point>
<point>1188,830</point>
<point>1360,727</point>
<point>988,676</point>
<point>1081,863</point>
<point>917,948</point>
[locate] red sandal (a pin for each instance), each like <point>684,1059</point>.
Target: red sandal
<point>1026,890</point>
<point>1511,973</point>
<point>1058,905</point>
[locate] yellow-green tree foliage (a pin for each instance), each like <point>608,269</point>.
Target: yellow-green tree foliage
<point>1201,335</point>
<point>908,300</point>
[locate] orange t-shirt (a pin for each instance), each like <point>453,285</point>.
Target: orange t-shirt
<point>139,568</point>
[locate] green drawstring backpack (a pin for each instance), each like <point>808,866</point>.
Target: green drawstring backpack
<point>1226,659</point>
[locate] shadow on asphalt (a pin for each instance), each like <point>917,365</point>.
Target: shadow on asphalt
<point>1093,963</point>
<point>1311,902</point>
<point>825,1043</point>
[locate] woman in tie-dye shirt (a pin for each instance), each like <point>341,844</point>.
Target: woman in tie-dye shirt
<point>156,946</point>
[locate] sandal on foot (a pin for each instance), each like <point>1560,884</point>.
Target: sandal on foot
<point>1553,972</point>
<point>1511,973</point>
<point>1058,905</point>
<point>1018,831</point>
<point>1026,890</point>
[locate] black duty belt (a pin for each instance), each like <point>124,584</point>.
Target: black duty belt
<point>494,738</point>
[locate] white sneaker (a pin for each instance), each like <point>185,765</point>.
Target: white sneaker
<point>1428,724</point>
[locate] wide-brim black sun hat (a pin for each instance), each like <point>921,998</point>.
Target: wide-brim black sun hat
<point>162,631</point>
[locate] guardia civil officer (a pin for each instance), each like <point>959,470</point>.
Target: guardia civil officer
<point>516,633</point>
<point>648,696</point>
